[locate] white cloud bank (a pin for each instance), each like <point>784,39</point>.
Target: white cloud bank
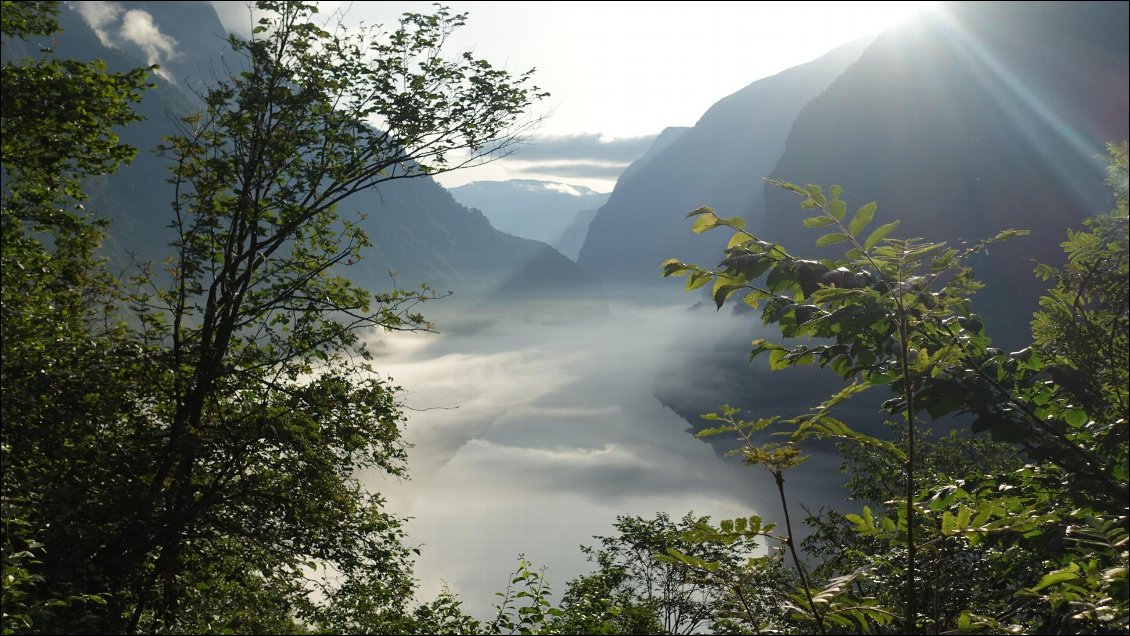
<point>557,432</point>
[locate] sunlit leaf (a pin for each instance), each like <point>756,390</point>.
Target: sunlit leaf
<point>862,217</point>
<point>831,239</point>
<point>879,234</point>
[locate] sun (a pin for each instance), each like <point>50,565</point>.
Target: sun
<point>887,14</point>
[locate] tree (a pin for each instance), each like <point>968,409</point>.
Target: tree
<point>639,589</point>
<point>898,313</point>
<point>56,129</point>
<point>236,406</point>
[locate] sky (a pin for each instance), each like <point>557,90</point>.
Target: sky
<point>618,73</point>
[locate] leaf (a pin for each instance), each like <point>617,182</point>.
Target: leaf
<point>1075,418</point>
<point>697,211</point>
<point>704,222</point>
<point>696,280</point>
<point>948,523</point>
<point>862,217</point>
<point>1069,573</point>
<point>964,513</point>
<point>673,266</point>
<point>964,623</point>
<point>818,221</point>
<point>879,235</point>
<point>831,239</point>
<point>816,194</point>
<point>777,359</point>
<point>837,209</point>
<point>733,221</point>
<point>786,185</point>
<point>739,238</point>
<point>722,292</point>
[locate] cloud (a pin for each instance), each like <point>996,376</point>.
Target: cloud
<point>138,28</point>
<point>585,156</point>
<point>99,16</point>
<point>575,170</point>
<point>114,26</point>
<point>557,432</point>
<point>584,147</point>
<point>563,189</point>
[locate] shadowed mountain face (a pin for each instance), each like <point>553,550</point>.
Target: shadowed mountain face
<point>985,117</point>
<point>982,117</point>
<point>554,213</point>
<point>720,162</point>
<point>416,227</point>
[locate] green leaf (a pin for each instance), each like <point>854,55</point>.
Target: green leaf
<point>704,222</point>
<point>964,513</point>
<point>879,235</point>
<point>818,221</point>
<point>831,239</point>
<point>673,266</point>
<point>837,209</point>
<point>1069,573</point>
<point>1075,418</point>
<point>862,217</point>
<point>816,194</point>
<point>733,221</point>
<point>777,359</point>
<point>739,238</point>
<point>697,211</point>
<point>696,280</point>
<point>786,185</point>
<point>964,622</point>
<point>722,292</point>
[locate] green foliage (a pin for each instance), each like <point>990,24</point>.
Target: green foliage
<point>651,578</point>
<point>524,606</point>
<point>1041,516</point>
<point>56,129</point>
<point>181,449</point>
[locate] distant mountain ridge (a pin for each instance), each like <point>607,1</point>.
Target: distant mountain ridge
<point>547,211</point>
<point>417,228</point>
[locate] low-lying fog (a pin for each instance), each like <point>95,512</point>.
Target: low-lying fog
<point>533,428</point>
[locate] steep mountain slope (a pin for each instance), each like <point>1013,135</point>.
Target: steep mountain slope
<point>720,162</point>
<point>982,117</point>
<point>540,210</point>
<point>417,228</point>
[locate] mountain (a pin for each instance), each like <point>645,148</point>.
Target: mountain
<point>544,211</point>
<point>973,119</point>
<point>574,236</point>
<point>416,227</point>
<point>719,162</point>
